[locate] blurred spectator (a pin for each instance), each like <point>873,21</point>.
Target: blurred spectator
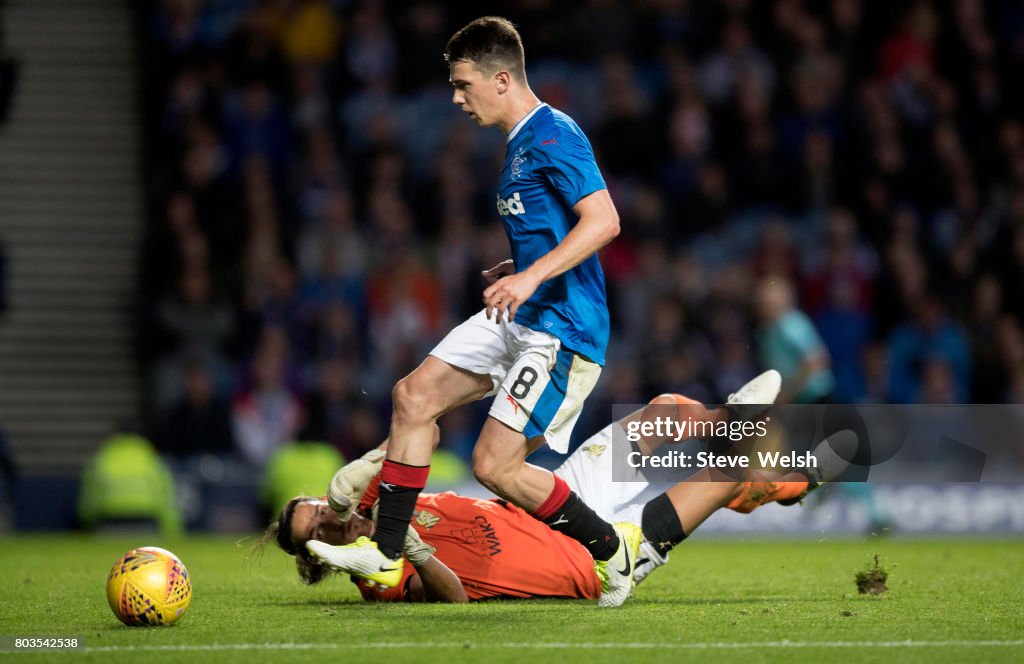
<point>330,408</point>
<point>193,319</point>
<point>256,125</point>
<point>371,53</point>
<point>1010,342</point>
<point>929,339</point>
<point>674,352</point>
<point>267,414</point>
<point>200,423</point>
<point>845,330</point>
<point>776,254</point>
<point>990,376</point>
<point>875,361</point>
<point>405,308</point>
<point>790,344</point>
<point>281,307</point>
<point>737,58</point>
<point>628,139</point>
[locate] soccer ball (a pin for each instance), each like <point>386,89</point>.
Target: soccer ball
<point>149,586</point>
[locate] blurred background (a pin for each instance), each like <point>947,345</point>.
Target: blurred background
<point>227,227</point>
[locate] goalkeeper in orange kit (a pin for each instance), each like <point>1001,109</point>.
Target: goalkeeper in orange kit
<point>464,548</point>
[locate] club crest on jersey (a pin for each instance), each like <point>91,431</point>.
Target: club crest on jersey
<point>427,520</point>
<point>517,164</point>
<point>511,205</point>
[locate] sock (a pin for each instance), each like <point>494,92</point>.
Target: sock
<point>754,494</point>
<point>400,486</point>
<point>565,512</point>
<point>661,525</point>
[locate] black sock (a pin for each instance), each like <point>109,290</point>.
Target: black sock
<point>393,515</point>
<point>661,525</point>
<point>575,519</point>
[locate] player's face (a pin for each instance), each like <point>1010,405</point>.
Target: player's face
<point>314,519</point>
<point>474,93</point>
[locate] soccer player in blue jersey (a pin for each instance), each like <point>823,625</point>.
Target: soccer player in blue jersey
<point>538,345</point>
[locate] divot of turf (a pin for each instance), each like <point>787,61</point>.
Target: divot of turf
<point>871,581</point>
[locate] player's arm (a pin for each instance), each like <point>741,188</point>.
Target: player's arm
<point>597,226</point>
<point>435,582</point>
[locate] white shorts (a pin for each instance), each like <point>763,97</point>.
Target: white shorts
<point>588,472</point>
<point>540,386</point>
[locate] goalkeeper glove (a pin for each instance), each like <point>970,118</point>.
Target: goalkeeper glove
<point>350,482</point>
<point>414,548</point>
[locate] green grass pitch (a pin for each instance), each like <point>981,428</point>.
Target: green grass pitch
<point>754,600</point>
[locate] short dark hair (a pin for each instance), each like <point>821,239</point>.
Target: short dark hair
<point>492,43</point>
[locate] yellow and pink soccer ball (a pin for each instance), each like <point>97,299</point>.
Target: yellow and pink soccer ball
<point>149,586</point>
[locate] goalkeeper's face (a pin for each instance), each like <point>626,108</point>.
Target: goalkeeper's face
<point>314,519</point>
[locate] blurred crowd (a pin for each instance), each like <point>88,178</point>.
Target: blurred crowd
<point>320,212</point>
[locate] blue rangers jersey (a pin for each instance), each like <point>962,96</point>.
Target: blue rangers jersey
<point>549,167</point>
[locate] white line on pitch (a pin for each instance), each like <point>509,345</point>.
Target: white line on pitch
<point>554,646</point>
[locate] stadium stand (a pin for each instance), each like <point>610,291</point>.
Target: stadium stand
<point>309,181</point>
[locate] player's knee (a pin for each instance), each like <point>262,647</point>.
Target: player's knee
<point>412,402</point>
<point>670,398</point>
<point>663,400</point>
<point>484,472</point>
<point>491,473</point>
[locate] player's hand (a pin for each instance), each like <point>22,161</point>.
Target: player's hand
<point>350,482</point>
<point>415,549</point>
<point>507,293</point>
<point>502,269</point>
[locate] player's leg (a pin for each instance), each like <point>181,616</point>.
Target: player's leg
<point>418,400</point>
<point>748,402</point>
<point>676,407</point>
<point>832,457</point>
<point>467,365</point>
<point>499,463</point>
<point>759,489</point>
<point>671,517</point>
<point>667,519</point>
<point>541,398</point>
<point>664,522</point>
<point>351,481</point>
<point>588,470</point>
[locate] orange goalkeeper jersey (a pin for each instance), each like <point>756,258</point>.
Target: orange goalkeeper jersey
<point>496,549</point>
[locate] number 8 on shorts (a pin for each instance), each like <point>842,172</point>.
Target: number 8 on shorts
<point>541,397</point>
